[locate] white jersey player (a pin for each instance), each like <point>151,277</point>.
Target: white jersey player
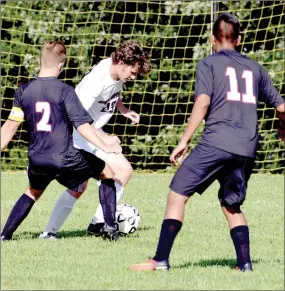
<point>99,92</point>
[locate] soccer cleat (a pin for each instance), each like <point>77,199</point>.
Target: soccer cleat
<point>109,232</point>
<point>94,229</point>
<point>5,238</point>
<point>151,265</point>
<point>49,235</point>
<point>245,268</point>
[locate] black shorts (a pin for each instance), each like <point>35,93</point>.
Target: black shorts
<point>204,165</point>
<point>88,166</point>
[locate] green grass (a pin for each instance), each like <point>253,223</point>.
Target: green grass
<point>202,258</point>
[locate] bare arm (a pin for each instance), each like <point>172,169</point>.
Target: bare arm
<point>121,107</point>
<point>198,113</point>
<point>281,108</point>
<point>8,130</point>
<point>91,135</point>
<point>132,115</point>
<point>107,139</point>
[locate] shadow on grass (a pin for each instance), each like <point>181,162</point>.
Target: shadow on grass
<point>74,233</point>
<point>145,228</point>
<point>231,263</point>
<point>61,234</point>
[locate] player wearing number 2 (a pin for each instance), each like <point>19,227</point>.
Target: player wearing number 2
<point>99,92</point>
<point>228,87</point>
<point>51,109</point>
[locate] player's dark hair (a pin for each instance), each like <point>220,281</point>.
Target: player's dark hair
<point>52,53</point>
<point>131,53</point>
<point>226,27</point>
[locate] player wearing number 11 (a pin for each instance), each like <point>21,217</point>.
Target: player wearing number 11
<point>228,87</point>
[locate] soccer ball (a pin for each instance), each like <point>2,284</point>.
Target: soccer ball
<point>127,219</point>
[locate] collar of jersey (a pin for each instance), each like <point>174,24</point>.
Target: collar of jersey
<point>46,78</point>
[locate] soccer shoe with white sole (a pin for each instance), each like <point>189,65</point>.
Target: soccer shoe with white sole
<point>94,229</point>
<point>245,268</point>
<point>151,265</point>
<point>109,232</point>
<point>49,235</point>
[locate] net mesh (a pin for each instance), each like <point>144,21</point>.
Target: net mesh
<point>177,35</point>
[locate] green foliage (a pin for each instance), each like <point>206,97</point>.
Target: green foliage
<point>14,159</point>
<point>177,35</point>
<point>161,145</point>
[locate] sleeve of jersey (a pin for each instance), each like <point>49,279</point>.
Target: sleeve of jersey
<point>17,113</point>
<point>75,110</point>
<point>267,92</point>
<point>89,89</point>
<point>204,80</point>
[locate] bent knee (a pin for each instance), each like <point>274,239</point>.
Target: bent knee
<point>128,169</point>
<point>80,190</point>
<point>124,171</point>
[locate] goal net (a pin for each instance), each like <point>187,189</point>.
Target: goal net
<point>177,35</point>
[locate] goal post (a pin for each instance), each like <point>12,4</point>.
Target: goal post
<point>176,33</point>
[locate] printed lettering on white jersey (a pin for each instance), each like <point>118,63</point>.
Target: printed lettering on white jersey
<point>99,94</point>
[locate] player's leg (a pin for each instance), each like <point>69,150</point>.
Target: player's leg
<point>239,232</point>
<point>232,194</point>
<point>107,197</point>
<point>108,202</point>
<point>75,179</point>
<point>195,174</point>
<point>120,166</point>
<point>171,225</point>
<point>61,211</point>
<point>122,170</point>
<point>89,166</point>
<point>25,203</point>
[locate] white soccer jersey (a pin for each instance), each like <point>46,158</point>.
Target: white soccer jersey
<point>99,94</point>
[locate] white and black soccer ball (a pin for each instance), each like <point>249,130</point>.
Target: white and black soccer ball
<point>127,219</point>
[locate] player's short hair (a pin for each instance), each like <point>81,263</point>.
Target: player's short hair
<point>226,27</point>
<point>52,54</point>
<point>131,53</point>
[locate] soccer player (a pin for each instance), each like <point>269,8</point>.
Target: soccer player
<point>99,92</point>
<point>51,108</point>
<point>228,87</point>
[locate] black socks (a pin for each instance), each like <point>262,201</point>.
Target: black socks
<point>18,213</point>
<point>169,230</point>
<point>107,197</point>
<point>240,237</point>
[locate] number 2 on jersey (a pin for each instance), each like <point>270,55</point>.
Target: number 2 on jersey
<point>234,94</point>
<point>43,124</point>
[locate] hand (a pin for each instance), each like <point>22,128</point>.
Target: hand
<point>111,139</point>
<point>133,116</point>
<point>113,148</point>
<point>178,153</point>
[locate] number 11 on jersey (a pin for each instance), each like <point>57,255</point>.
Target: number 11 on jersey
<point>234,94</point>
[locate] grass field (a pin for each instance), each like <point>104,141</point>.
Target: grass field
<point>203,256</point>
